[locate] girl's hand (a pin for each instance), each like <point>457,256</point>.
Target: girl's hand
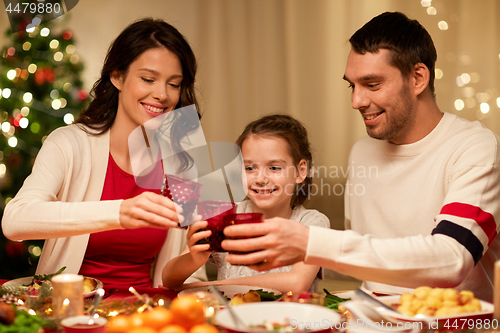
<point>199,252</point>
<point>150,210</point>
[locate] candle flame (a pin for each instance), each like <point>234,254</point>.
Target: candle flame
<point>161,302</point>
<point>112,314</point>
<point>66,301</point>
<point>133,291</point>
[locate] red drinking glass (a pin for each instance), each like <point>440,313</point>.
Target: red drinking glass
<point>242,218</point>
<point>184,192</point>
<point>213,211</point>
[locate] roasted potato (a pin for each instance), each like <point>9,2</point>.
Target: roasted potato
<point>438,302</point>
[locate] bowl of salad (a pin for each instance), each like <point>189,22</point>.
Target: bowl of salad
<point>279,317</point>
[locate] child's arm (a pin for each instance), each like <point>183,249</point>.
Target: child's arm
<point>178,269</point>
<point>299,279</point>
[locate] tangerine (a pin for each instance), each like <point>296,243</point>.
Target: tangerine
<point>158,317</point>
<point>142,330</point>
<point>136,320</point>
<point>203,328</point>
<point>118,324</point>
<point>173,329</point>
<point>187,311</point>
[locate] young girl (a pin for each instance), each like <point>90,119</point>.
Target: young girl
<point>82,196</point>
<point>277,157</point>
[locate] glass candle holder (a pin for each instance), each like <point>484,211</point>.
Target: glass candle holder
<point>67,295</point>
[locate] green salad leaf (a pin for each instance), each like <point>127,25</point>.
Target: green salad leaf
<point>266,296</point>
<point>47,276</point>
<point>332,301</point>
<point>24,323</point>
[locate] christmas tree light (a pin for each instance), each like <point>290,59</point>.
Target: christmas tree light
<point>40,90</point>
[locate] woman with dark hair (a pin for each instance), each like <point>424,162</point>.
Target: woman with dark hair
<point>82,196</point>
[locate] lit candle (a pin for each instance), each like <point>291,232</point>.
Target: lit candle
<point>67,295</point>
<point>496,297</point>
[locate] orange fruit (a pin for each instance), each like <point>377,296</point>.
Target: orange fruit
<point>142,330</point>
<point>136,320</point>
<point>187,311</point>
<point>173,329</point>
<point>118,324</point>
<point>157,317</point>
<point>203,328</point>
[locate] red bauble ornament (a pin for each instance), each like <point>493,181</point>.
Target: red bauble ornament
<point>49,75</point>
<point>67,35</point>
<point>82,94</point>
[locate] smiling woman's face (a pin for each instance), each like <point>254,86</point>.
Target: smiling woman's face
<point>150,88</point>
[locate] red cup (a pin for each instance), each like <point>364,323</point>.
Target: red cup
<point>241,218</point>
<point>213,211</point>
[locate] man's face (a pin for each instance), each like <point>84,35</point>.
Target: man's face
<point>382,96</point>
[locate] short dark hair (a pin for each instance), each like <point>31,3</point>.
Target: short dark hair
<point>134,40</point>
<point>406,39</point>
<point>295,134</point>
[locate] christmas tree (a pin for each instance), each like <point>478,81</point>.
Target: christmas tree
<point>40,90</point>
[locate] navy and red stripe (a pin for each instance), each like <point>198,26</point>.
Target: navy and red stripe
<point>484,219</point>
<point>463,235</point>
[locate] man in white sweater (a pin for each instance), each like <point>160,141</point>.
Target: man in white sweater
<point>429,208</point>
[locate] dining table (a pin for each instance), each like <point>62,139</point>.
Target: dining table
<point>119,293</point>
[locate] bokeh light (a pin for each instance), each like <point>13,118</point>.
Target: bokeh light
<point>484,107</point>
<point>27,97</point>
<point>44,32</point>
<point>459,104</point>
<point>443,25</point>
<point>12,141</point>
<point>68,118</point>
<point>438,73</point>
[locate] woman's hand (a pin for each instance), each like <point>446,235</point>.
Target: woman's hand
<point>199,252</point>
<point>276,242</point>
<point>150,210</point>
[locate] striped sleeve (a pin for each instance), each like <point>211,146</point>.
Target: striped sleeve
<point>469,225</point>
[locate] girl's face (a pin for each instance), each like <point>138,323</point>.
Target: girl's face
<point>271,174</point>
<point>150,87</point>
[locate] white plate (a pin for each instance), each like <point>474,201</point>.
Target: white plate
<point>16,284</point>
<point>230,290</point>
<point>300,316</point>
<point>486,312</point>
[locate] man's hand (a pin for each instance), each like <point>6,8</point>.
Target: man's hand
<point>276,242</point>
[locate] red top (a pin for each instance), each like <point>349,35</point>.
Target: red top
<point>124,257</point>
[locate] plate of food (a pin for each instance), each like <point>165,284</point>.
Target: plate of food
<point>239,294</point>
<point>31,285</point>
<point>280,317</point>
<point>439,306</point>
